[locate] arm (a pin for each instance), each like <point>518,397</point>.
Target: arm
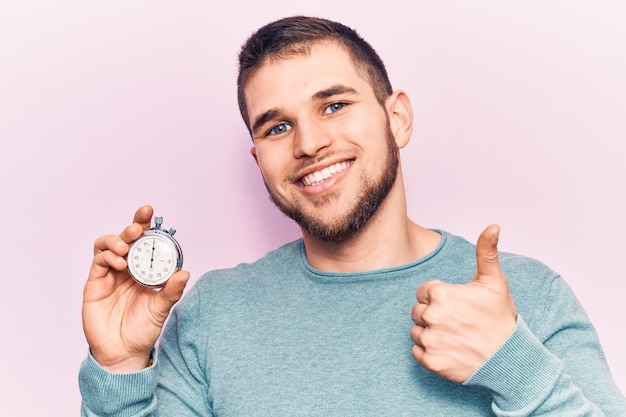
<point>175,385</point>
<point>106,393</point>
<point>122,321</point>
<point>561,364</point>
<point>527,379</point>
<point>462,333</point>
<point>182,388</point>
<point>567,332</point>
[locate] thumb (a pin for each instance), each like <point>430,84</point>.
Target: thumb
<point>171,292</point>
<point>487,264</point>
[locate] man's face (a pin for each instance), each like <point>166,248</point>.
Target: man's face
<point>322,141</point>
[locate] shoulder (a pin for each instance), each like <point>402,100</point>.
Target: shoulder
<point>529,279</point>
<point>536,288</point>
<point>246,279</point>
<point>516,266</point>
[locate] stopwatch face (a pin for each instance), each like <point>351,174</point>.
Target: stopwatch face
<point>153,259</point>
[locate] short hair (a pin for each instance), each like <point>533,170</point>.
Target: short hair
<point>296,35</point>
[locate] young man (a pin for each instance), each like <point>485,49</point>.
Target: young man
<point>328,325</point>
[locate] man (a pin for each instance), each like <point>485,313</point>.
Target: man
<point>328,325</point>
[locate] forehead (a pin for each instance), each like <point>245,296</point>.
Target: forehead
<point>297,78</point>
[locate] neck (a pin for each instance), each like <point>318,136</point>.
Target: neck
<point>389,239</point>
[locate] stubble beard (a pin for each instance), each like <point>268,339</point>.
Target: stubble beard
<point>372,194</point>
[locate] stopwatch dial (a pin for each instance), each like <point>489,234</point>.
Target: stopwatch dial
<point>152,260</point>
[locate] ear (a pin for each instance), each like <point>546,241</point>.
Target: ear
<point>254,155</point>
<point>400,114</point>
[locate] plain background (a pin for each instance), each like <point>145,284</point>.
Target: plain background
<point>520,119</point>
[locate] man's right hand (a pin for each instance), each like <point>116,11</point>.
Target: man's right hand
<point>122,319</point>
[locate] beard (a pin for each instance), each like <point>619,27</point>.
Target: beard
<point>372,193</point>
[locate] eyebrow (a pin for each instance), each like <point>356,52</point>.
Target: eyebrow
<point>264,118</point>
<point>320,95</point>
<point>333,91</point>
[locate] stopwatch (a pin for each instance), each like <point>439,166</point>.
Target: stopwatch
<point>155,256</point>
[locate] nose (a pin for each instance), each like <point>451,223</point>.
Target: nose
<point>309,139</point>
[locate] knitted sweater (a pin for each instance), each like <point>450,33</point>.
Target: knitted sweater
<point>280,338</point>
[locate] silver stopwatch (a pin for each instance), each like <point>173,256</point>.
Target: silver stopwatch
<point>155,256</point>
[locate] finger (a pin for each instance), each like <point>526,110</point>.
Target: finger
<point>417,314</point>
<point>487,263</point>
<point>112,243</point>
<point>427,290</point>
<point>131,233</point>
<point>418,353</point>
<point>171,292</point>
<point>104,261</point>
<point>143,216</point>
<point>416,335</point>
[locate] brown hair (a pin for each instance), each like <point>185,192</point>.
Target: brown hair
<point>295,35</point>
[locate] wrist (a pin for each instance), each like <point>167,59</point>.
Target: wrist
<point>128,364</point>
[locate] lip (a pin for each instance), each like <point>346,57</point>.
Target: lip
<point>335,170</point>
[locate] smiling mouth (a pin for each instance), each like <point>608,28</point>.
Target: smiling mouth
<point>318,177</point>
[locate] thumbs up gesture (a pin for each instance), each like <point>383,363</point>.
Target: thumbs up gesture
<point>458,327</point>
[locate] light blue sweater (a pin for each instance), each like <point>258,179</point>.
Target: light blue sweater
<point>280,338</point>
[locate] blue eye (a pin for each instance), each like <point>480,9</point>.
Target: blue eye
<point>279,129</point>
<point>334,107</point>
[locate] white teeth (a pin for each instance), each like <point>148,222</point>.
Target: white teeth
<point>320,176</point>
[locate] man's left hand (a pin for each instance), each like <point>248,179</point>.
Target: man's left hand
<point>459,326</point>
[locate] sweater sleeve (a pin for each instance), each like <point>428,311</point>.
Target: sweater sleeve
<point>173,386</point>
<point>183,387</point>
<point>116,394</point>
<point>557,369</point>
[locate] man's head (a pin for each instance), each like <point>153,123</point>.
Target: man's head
<point>326,127</point>
<point>294,36</point>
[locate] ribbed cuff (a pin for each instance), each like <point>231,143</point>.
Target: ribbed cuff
<point>521,373</point>
<point>106,393</point>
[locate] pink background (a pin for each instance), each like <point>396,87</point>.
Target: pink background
<point>520,120</point>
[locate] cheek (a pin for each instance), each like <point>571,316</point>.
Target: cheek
<point>370,126</point>
<point>270,163</point>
